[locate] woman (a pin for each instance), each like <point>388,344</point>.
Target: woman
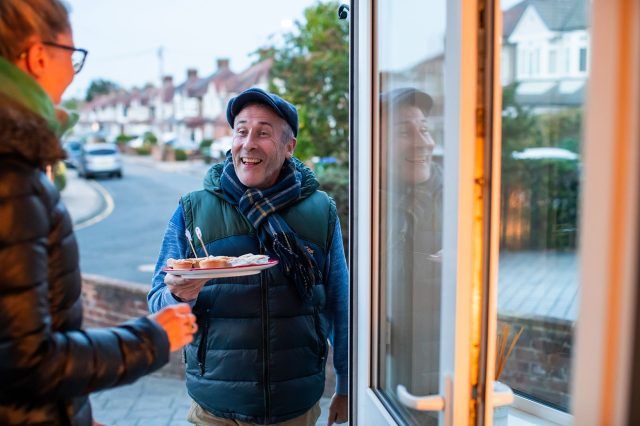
<point>48,365</point>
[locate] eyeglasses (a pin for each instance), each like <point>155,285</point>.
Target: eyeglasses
<point>78,56</point>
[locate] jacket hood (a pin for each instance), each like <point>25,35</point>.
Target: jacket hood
<point>309,183</point>
<point>27,134</point>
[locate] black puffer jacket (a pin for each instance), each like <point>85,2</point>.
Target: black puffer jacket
<point>48,365</point>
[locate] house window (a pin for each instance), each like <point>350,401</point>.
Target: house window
<point>534,62</point>
<point>583,59</point>
<point>523,62</point>
<point>553,61</point>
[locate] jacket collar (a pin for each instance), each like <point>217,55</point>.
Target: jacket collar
<point>27,134</point>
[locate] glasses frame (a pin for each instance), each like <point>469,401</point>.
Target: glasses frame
<point>76,67</point>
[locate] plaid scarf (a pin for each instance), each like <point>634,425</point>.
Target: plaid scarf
<point>260,207</point>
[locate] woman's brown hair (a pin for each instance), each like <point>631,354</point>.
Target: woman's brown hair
<point>21,19</point>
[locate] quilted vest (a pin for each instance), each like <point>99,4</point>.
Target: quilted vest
<point>260,352</point>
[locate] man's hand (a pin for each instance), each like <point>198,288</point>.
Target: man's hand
<point>179,324</point>
<point>339,409</point>
<point>186,290</point>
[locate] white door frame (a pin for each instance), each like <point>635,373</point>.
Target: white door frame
<point>460,116</point>
<point>609,222</point>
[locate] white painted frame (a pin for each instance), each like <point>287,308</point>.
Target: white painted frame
<point>460,87</point>
<point>609,231</point>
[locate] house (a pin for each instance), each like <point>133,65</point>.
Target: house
<point>190,111</point>
<point>546,52</point>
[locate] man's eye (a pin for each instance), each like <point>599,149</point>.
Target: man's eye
<point>264,134</point>
<point>241,132</point>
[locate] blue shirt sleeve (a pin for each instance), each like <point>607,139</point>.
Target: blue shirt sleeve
<point>174,245</point>
<point>338,310</point>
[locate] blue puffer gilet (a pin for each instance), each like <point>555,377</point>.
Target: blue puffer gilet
<point>259,355</point>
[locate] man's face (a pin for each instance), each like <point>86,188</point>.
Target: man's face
<point>411,146</point>
<point>258,150</point>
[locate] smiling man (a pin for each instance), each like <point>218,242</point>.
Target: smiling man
<point>260,352</point>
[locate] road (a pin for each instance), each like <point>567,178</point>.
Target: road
<point>125,245</point>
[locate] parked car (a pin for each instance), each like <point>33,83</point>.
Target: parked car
<point>100,159</point>
<point>73,148</point>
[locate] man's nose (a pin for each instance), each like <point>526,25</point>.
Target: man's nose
<point>424,140</point>
<point>250,141</point>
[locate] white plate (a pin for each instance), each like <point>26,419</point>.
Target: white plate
<point>235,271</point>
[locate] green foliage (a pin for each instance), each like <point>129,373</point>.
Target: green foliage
<point>143,150</point>
<point>180,155</point>
<point>311,70</point>
<point>71,104</point>
<point>206,143</point>
<point>122,139</point>
<point>335,181</point>
<point>150,138</point>
<point>562,129</point>
<point>520,127</point>
<point>539,197</point>
<point>100,87</point>
<point>60,176</point>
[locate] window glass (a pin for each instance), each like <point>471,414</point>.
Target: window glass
<point>583,59</point>
<point>541,165</point>
<point>411,60</point>
<point>553,58</point>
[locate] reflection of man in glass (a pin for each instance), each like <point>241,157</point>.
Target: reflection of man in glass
<point>412,203</point>
<point>404,121</point>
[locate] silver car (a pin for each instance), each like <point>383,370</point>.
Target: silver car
<point>100,159</point>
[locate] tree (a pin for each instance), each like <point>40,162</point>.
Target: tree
<point>100,87</point>
<point>311,69</point>
<point>520,127</point>
<point>71,104</point>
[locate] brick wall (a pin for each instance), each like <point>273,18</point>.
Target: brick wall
<point>540,364</point>
<point>108,302</point>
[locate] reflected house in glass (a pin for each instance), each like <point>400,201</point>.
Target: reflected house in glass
<point>546,51</point>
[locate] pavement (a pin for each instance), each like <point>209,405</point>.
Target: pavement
<point>84,198</point>
<point>153,400</point>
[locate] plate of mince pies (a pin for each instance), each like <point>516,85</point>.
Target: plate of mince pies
<point>219,266</point>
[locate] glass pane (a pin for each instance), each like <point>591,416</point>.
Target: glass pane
<point>541,165</point>
<point>411,60</point>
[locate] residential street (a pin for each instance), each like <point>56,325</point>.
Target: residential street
<point>125,244</point>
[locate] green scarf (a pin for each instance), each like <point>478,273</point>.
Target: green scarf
<point>23,89</point>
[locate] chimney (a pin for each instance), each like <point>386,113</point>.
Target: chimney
<point>223,64</point>
<point>192,74</point>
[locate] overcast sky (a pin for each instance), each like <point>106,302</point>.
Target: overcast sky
<point>123,36</point>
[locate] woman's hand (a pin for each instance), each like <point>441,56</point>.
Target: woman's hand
<point>179,324</point>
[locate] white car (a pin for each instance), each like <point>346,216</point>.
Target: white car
<point>100,159</point>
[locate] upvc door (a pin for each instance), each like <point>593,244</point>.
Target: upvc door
<point>418,296</point>
<point>428,244</point>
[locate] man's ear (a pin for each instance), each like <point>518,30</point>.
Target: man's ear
<point>291,146</point>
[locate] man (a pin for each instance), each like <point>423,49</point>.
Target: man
<point>412,200</point>
<point>260,353</point>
